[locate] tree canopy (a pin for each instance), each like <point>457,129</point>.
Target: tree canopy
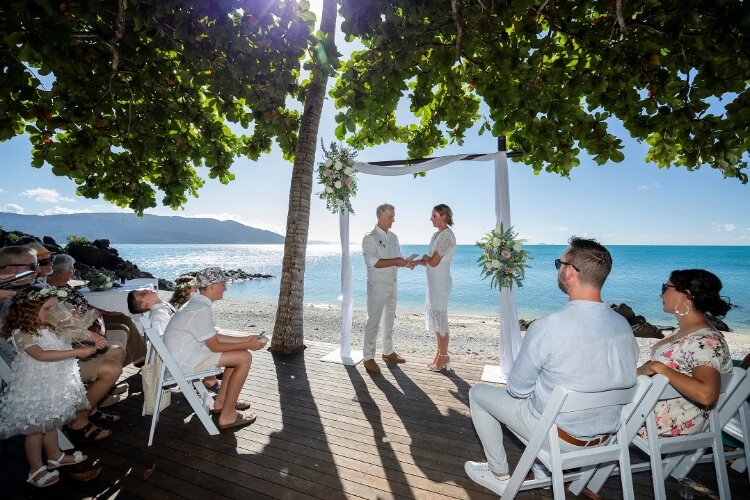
<point>552,74</point>
<point>127,97</point>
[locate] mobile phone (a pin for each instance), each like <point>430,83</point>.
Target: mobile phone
<point>17,277</point>
<point>412,256</point>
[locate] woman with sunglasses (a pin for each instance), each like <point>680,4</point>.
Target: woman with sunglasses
<point>695,355</point>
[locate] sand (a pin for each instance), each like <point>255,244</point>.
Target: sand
<point>472,337</point>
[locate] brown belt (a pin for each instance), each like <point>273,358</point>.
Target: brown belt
<point>577,442</point>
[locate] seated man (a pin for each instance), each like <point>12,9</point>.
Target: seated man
<point>159,314</point>
<point>192,339</point>
<point>44,259</point>
<point>585,346</point>
<point>62,272</point>
<point>15,260</point>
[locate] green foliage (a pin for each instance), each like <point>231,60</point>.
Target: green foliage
<point>503,258</point>
<point>551,75</point>
<point>338,178</point>
<point>77,240</point>
<point>129,101</point>
<point>100,279</point>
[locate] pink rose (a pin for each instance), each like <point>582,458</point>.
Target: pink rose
<point>689,424</point>
<point>673,365</point>
<point>511,270</point>
<point>348,181</point>
<point>505,254</point>
<point>668,354</point>
<point>328,172</point>
<point>675,432</point>
<point>710,342</point>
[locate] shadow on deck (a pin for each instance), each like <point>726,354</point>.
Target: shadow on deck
<point>323,431</point>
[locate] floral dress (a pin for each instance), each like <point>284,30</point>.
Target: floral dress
<point>41,395</point>
<point>705,347</point>
<point>439,282</point>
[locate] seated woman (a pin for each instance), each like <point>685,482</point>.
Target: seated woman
<point>694,356</point>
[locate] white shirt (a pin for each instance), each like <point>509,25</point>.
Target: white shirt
<point>160,315</point>
<point>376,245</point>
<point>188,330</point>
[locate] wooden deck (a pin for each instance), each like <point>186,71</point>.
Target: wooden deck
<point>323,431</point>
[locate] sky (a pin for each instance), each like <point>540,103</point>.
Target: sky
<point>627,203</point>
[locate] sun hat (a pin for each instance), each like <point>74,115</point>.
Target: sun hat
<point>211,275</point>
<point>41,251</point>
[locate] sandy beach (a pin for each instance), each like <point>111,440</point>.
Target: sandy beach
<point>473,338</point>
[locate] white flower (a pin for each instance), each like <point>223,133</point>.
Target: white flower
<point>337,184</point>
<point>62,293</point>
<point>496,242</point>
<point>517,247</point>
<point>329,189</point>
<point>488,265</point>
<point>337,165</point>
<point>495,263</point>
<point>348,170</point>
<point>328,163</point>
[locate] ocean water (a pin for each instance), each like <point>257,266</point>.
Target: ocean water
<point>636,277</point>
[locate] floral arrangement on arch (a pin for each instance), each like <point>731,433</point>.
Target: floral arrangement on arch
<point>337,176</point>
<point>503,257</point>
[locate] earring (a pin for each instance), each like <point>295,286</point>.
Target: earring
<point>682,314</point>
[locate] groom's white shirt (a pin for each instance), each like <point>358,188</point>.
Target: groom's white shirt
<point>376,245</point>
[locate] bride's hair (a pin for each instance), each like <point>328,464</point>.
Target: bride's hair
<point>446,212</point>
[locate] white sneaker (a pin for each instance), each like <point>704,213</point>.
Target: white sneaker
<point>540,472</point>
<point>480,473</point>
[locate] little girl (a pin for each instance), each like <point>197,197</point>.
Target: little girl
<point>45,388</point>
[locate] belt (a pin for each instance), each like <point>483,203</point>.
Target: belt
<point>577,442</point>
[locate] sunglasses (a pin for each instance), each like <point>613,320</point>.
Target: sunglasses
<point>664,287</point>
<point>559,263</point>
<point>44,262</point>
<point>32,267</point>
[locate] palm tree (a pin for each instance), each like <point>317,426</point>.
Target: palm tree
<point>288,332</point>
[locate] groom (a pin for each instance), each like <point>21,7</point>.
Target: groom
<point>382,255</point>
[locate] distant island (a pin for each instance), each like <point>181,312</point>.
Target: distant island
<point>129,228</point>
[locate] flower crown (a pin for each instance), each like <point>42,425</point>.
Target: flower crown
<point>188,284</point>
<point>41,293</point>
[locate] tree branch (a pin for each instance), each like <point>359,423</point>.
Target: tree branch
<point>459,29</point>
<point>621,17</point>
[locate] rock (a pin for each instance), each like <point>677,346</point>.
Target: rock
<point>647,331</point>
<point>524,324</point>
<point>99,255</point>
<point>625,311</point>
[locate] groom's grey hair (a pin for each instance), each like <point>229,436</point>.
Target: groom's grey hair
<point>384,207</point>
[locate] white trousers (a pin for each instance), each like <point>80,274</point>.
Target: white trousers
<point>491,406</point>
<point>381,311</point>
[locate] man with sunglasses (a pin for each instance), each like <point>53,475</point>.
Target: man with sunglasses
<point>585,347</point>
<point>44,258</point>
<point>15,260</point>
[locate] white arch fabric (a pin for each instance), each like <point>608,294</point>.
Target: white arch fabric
<point>510,333</point>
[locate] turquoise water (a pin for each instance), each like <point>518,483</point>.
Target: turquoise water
<point>636,276</point>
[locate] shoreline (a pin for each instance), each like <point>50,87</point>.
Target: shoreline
<point>473,337</point>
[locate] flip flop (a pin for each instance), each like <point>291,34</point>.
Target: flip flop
<point>241,421</point>
<point>240,406</point>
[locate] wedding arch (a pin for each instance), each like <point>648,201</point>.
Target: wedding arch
<point>510,333</point>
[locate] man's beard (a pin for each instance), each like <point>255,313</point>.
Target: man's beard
<point>561,284</point>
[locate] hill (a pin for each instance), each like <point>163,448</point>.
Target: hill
<point>128,228</point>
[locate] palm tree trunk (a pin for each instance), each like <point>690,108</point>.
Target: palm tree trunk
<point>288,332</point>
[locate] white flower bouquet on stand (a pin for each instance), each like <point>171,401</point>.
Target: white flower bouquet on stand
<point>337,176</point>
<point>503,257</point>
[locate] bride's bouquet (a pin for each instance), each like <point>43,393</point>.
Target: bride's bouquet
<point>337,176</point>
<point>72,324</point>
<point>503,257</point>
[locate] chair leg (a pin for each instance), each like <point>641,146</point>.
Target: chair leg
<point>626,476</point>
<point>155,416</point>
<point>63,442</point>
<point>720,464</point>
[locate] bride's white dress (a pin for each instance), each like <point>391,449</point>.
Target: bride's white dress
<point>439,281</point>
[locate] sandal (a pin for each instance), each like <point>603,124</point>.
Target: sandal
<point>240,406</point>
<point>89,433</point>
<point>214,388</point>
<point>103,418</point>
<point>43,480</point>
<point>241,421</point>
<point>77,456</point>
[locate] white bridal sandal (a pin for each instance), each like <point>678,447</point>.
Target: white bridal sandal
<point>78,457</point>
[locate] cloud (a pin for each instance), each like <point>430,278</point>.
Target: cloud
<point>64,211</point>
<point>241,220</point>
<point>43,195</point>
<point>727,227</point>
<point>649,187</point>
<point>2,191</point>
<point>12,208</point>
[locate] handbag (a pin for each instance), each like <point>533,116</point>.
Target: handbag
<point>150,375</point>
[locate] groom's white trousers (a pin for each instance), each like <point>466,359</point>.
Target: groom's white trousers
<point>381,311</point>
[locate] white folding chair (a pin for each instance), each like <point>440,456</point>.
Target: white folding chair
<point>734,418</point>
<point>7,353</point>
<point>544,444</point>
<point>190,384</point>
<point>665,453</point>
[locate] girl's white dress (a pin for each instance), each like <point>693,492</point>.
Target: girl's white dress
<point>439,281</point>
<point>41,395</point>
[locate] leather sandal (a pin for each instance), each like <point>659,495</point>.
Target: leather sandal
<point>89,433</point>
<point>77,456</point>
<point>41,478</point>
<point>241,405</point>
<point>100,417</point>
<point>241,421</point>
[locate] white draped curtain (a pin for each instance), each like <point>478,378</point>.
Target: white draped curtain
<point>510,333</point>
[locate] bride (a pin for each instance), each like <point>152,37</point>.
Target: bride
<point>437,261</point>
